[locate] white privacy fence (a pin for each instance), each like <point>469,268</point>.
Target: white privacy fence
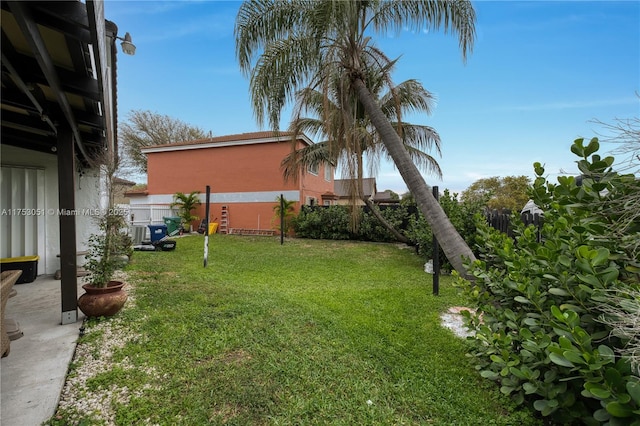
<point>143,215</point>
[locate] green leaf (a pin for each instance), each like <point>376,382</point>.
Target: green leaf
<point>598,391</point>
<point>529,388</point>
<point>609,275</point>
<point>522,300</point>
<point>545,407</point>
<point>558,291</point>
<point>607,353</point>
<point>516,372</point>
<point>577,148</point>
<point>556,312</point>
<point>619,410</point>
<point>560,360</point>
<point>564,260</point>
<point>601,257</point>
<point>540,404</point>
<point>601,415</point>
<point>634,390</point>
<point>507,389</point>
<point>491,375</point>
<point>497,359</point>
<point>574,357</point>
<point>566,343</point>
<point>589,279</point>
<point>592,147</point>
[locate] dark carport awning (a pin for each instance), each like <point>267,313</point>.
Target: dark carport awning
<point>55,70</point>
<point>58,96</point>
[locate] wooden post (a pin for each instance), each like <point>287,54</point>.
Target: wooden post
<point>206,227</point>
<point>436,253</point>
<point>67,220</point>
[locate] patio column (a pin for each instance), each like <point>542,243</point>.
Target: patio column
<point>66,215</point>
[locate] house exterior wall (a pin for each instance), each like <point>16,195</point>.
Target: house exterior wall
<point>88,198</point>
<point>245,177</point>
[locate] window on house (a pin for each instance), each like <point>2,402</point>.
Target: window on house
<point>328,172</point>
<point>327,202</point>
<point>311,201</point>
<point>313,169</point>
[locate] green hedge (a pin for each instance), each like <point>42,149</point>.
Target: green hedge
<point>333,222</point>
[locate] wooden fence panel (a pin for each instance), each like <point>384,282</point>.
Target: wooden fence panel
<point>501,220</point>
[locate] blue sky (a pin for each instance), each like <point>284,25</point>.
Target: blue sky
<point>540,73</point>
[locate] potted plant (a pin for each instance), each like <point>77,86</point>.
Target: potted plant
<point>108,251</point>
<point>186,204</point>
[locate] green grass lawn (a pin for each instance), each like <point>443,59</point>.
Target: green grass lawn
<point>311,332</point>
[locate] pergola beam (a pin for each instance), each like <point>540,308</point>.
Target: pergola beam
<point>30,31</point>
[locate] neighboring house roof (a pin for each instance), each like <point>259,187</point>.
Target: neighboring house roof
<point>384,197</point>
<point>136,193</point>
<point>227,140</point>
<point>341,187</point>
<point>124,182</point>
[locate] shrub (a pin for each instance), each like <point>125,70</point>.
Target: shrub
<point>371,229</point>
<point>539,322</point>
<point>323,223</point>
<point>461,213</point>
<point>333,222</point>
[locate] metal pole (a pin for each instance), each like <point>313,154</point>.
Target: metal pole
<point>206,227</point>
<point>281,219</point>
<point>436,253</point>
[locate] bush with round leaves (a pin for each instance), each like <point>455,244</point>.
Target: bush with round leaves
<point>541,322</point>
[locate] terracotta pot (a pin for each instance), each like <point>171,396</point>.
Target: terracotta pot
<point>102,302</point>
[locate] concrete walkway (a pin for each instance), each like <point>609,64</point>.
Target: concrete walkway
<point>33,374</point>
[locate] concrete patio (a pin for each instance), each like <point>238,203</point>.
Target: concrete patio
<point>33,374</point>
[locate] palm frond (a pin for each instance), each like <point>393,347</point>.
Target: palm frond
<point>456,17</point>
<point>299,160</point>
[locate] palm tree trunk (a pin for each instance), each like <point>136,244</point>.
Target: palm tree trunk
<point>453,245</point>
<point>376,212</point>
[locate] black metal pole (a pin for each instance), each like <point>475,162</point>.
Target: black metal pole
<point>281,219</point>
<point>206,227</point>
<point>436,253</point>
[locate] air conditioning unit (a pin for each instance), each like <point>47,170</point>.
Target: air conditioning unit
<point>139,232</point>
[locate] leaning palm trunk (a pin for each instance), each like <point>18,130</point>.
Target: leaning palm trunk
<point>376,213</point>
<point>453,245</point>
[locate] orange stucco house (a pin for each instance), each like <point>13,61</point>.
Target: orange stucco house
<point>244,174</point>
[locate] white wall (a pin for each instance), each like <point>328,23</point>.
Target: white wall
<point>88,196</point>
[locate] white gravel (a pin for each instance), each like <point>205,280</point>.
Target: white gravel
<point>453,320</point>
<point>78,401</point>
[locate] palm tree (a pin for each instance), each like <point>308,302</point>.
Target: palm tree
<point>353,136</point>
<point>283,211</point>
<point>283,46</point>
<point>186,204</point>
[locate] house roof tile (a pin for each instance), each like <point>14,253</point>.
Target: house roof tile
<point>244,137</point>
<point>341,187</point>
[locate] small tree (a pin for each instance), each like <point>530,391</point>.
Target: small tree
<point>508,192</point>
<point>146,128</point>
<point>283,208</point>
<point>186,204</point>
<point>107,247</point>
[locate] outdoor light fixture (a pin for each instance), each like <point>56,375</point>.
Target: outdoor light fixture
<point>127,47</point>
